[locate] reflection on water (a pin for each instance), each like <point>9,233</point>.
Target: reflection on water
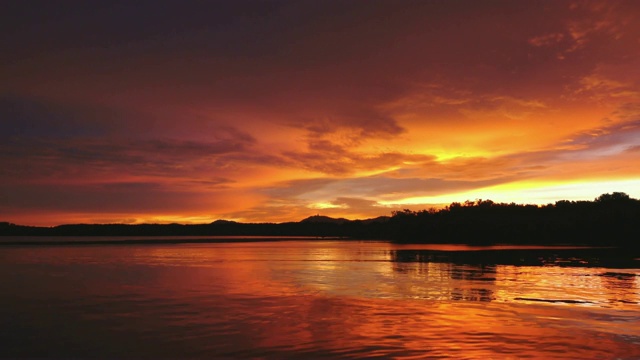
<point>541,274</point>
<point>316,299</point>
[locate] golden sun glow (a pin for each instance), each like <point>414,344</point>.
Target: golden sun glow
<point>527,193</point>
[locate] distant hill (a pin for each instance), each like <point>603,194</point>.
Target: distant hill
<point>379,219</point>
<point>324,219</point>
<point>330,220</point>
<point>222,222</point>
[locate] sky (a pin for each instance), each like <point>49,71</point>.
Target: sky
<point>271,111</point>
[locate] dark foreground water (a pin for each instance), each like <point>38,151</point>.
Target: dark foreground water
<point>310,299</point>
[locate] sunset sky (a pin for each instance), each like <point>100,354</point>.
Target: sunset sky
<point>255,111</point>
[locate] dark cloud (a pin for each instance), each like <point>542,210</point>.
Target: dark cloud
<point>359,128</point>
<point>340,58</point>
<point>29,118</point>
<point>96,198</point>
<point>117,156</point>
<point>77,24</point>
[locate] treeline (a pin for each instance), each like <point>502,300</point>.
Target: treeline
<point>609,220</point>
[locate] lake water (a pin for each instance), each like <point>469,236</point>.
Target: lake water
<point>311,299</point>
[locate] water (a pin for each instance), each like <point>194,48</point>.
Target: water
<point>310,299</point>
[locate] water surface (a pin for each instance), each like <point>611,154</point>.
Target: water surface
<point>335,299</point>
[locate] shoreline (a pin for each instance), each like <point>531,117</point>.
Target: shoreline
<point>156,240</point>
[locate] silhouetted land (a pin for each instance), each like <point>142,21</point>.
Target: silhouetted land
<point>609,220</point>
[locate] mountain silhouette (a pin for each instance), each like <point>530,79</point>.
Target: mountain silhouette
<point>323,219</point>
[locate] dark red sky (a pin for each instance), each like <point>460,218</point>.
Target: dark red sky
<point>190,111</point>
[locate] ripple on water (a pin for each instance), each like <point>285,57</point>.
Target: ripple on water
<point>327,301</point>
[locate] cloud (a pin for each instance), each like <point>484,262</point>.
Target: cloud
<point>574,153</point>
<point>634,149</point>
<point>109,198</point>
<point>429,96</point>
<point>501,107</point>
<point>24,117</point>
<point>592,19</point>
<point>57,158</point>
<point>355,203</point>
<point>329,158</point>
<point>598,86</point>
<point>547,39</point>
<point>294,188</point>
<point>627,112</point>
<point>379,187</point>
<point>605,141</point>
<point>129,202</point>
<point>357,127</point>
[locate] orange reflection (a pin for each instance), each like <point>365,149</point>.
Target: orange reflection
<point>341,299</point>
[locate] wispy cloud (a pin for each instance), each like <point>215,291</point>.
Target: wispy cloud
<point>327,157</point>
<point>550,39</point>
